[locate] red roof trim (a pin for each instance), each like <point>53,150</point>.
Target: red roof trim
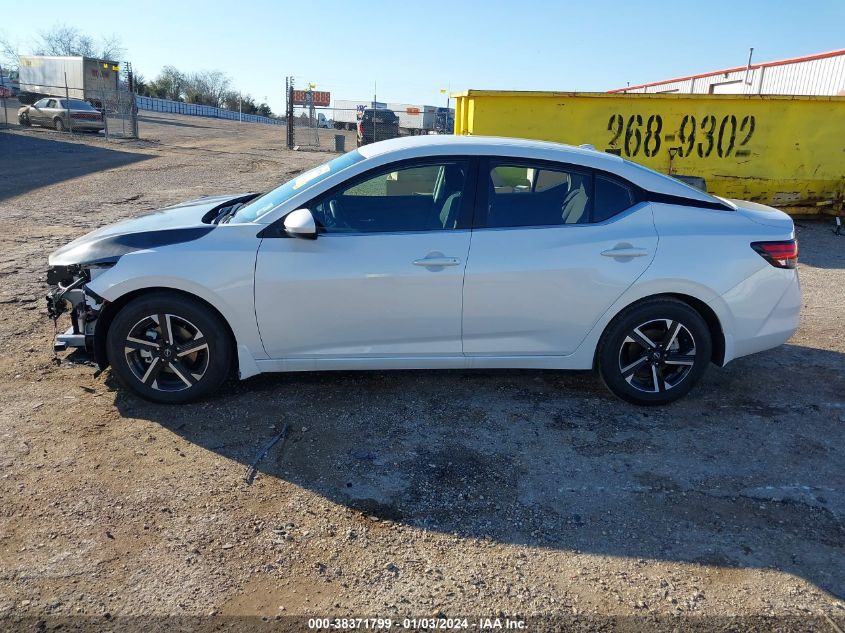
<point>780,62</point>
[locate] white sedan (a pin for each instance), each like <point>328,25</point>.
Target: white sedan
<point>436,252</point>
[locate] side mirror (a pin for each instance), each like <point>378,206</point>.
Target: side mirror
<point>301,224</point>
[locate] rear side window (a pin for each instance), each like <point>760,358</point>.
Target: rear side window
<point>611,198</point>
<point>521,195</point>
<point>75,104</point>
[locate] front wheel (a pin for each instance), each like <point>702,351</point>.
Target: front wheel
<point>654,352</point>
<point>169,348</point>
<point>23,119</point>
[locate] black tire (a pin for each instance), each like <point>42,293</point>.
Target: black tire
<point>23,119</point>
<point>59,124</point>
<point>169,372</point>
<point>654,352</point>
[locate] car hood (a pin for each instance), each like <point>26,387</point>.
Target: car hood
<point>171,225</point>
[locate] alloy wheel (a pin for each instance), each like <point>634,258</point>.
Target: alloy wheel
<point>166,352</point>
<point>657,355</point>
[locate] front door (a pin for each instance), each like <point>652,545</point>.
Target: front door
<point>37,112</point>
<point>384,277</point>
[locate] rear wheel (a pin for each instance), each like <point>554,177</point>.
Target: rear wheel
<point>654,352</point>
<point>169,348</point>
<point>59,124</point>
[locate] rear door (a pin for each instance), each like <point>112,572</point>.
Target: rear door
<point>554,246</point>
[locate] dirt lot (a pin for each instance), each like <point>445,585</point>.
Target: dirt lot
<point>530,493</point>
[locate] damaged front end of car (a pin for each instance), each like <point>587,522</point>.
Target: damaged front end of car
<point>75,267</point>
<point>69,294</point>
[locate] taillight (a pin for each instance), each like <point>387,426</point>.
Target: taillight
<point>782,254</point>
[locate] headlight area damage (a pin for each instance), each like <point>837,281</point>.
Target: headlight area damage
<point>79,263</point>
<point>69,293</point>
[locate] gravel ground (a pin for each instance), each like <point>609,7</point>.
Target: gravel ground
<point>484,493</point>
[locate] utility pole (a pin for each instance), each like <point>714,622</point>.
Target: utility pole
<point>5,114</point>
<point>67,103</point>
<point>289,111</point>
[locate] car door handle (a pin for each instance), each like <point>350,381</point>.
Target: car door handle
<point>625,251</point>
<point>437,261</point>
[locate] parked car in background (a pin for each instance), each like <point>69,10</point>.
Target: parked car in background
<point>377,125</point>
<point>9,87</point>
<point>579,260</point>
<point>62,114</point>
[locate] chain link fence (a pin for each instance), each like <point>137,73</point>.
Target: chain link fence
<point>347,124</point>
<point>154,104</point>
<point>111,111</point>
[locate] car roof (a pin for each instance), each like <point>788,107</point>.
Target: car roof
<point>447,144</point>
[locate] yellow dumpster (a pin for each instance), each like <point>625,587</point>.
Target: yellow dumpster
<point>784,151</point>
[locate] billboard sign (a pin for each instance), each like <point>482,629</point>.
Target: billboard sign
<point>317,98</point>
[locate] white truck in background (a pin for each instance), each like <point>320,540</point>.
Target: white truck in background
<point>413,119</point>
<point>84,78</point>
<point>347,113</point>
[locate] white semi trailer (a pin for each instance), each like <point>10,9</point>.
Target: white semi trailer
<point>347,113</point>
<point>85,78</point>
<point>413,119</point>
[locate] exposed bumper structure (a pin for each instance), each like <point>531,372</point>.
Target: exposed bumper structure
<point>68,293</point>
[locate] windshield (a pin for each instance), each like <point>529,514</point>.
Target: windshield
<point>270,200</point>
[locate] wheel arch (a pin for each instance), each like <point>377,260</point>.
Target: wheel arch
<point>110,309</point>
<point>714,325</point>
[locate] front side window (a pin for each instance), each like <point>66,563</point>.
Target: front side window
<point>51,103</point>
<point>41,103</point>
<point>410,198</point>
<point>522,195</point>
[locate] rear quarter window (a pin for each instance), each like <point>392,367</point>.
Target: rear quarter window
<point>611,198</point>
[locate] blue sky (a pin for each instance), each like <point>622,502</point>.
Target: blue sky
<point>413,49</point>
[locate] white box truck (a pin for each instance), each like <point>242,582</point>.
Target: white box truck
<point>91,80</point>
<point>414,119</point>
<point>347,113</point>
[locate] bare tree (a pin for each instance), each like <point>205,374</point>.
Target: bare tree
<point>208,87</point>
<point>68,40</point>
<point>8,53</point>
<point>170,84</point>
<point>111,47</point>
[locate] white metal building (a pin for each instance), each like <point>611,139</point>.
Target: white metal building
<point>820,74</point>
